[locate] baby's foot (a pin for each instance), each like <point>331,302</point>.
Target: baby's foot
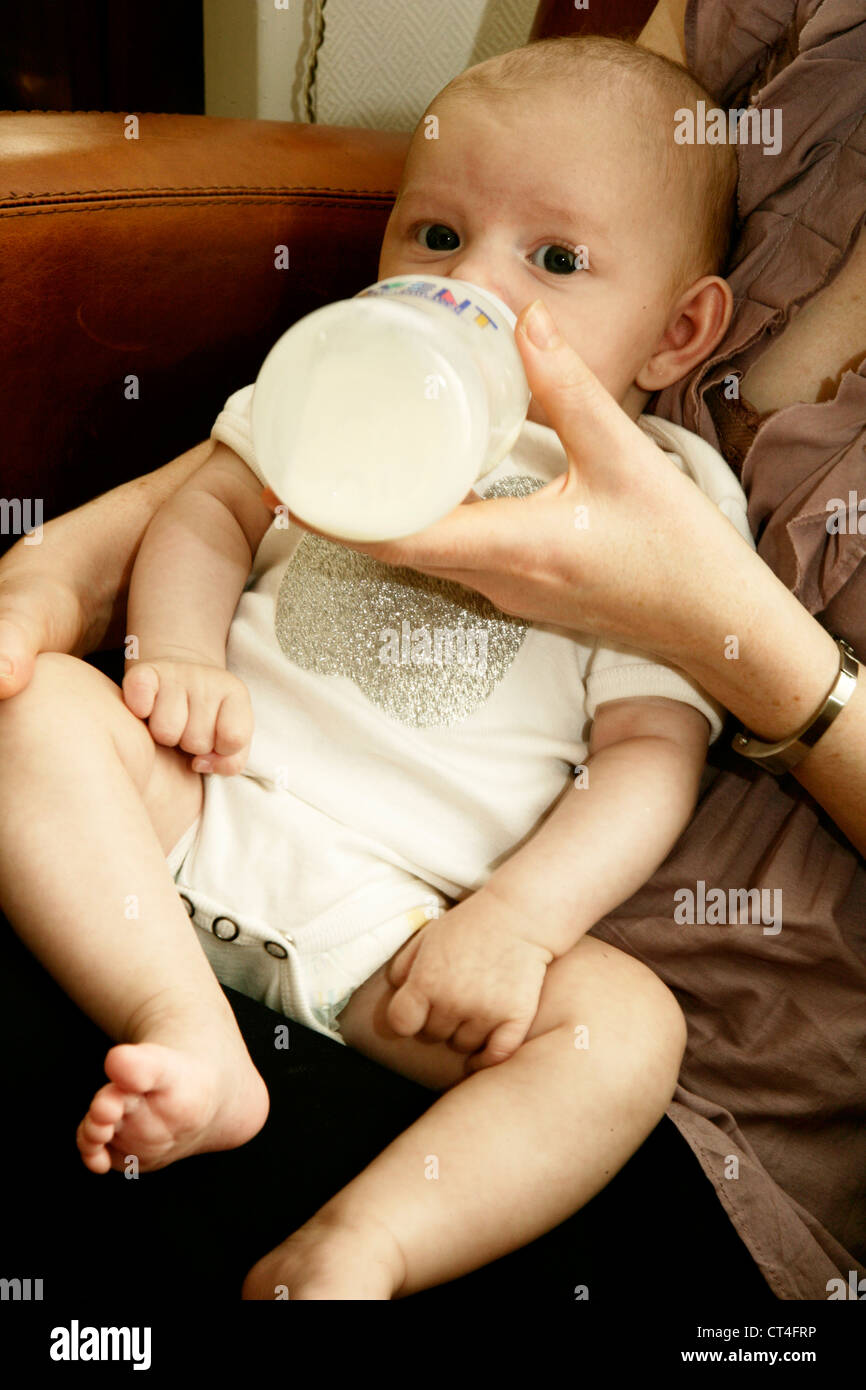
<point>331,1261</point>
<point>164,1103</point>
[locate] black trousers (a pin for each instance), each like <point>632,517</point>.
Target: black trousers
<point>193,1229</point>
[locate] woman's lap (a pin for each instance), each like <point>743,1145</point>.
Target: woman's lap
<point>332,1111</point>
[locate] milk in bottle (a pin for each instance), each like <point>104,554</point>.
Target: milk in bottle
<point>372,417</point>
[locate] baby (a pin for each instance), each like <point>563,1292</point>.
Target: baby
<point>405,852</point>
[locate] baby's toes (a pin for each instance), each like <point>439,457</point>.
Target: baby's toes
<point>93,1140</point>
<point>99,1126</point>
<point>96,1158</point>
<point>107,1106</point>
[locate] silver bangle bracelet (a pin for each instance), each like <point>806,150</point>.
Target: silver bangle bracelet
<point>779,758</point>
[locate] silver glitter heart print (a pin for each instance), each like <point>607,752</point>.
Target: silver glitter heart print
<point>426,651</point>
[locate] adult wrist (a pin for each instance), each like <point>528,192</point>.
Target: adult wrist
<point>784,755</point>
<point>95,578</point>
<point>96,544</point>
<point>45,576</point>
<point>765,658</point>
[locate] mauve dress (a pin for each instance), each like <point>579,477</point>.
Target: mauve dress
<point>775,1070</point>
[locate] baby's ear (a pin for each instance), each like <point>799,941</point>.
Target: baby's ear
<point>697,323</point>
<point>722,311</point>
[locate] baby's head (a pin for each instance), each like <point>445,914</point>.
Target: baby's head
<point>566,144</point>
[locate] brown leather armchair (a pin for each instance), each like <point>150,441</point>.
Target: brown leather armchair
<point>154,258</point>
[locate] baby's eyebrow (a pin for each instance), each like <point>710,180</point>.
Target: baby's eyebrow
<point>579,218</point>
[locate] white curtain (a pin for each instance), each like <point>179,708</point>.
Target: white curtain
<point>382,61</point>
<point>380,64</point>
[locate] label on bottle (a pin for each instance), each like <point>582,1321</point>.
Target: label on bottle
<point>434,293</point>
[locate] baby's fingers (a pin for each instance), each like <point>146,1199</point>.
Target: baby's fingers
<point>408,1010</point>
<point>234,723</point>
<point>170,714</point>
<point>224,767</point>
<point>154,695</point>
<point>232,733</point>
<point>140,689</point>
<point>441,1024</point>
<point>470,1036</point>
<point>502,1044</point>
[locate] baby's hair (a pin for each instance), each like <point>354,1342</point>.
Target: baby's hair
<point>657,87</point>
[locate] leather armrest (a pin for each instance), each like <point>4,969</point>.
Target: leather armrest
<point>141,283</point>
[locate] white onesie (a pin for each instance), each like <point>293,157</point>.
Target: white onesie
<point>408,735</point>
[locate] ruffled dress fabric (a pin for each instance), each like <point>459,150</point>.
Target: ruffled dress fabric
<point>772,1093</point>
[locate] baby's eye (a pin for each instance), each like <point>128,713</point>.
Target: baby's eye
<point>437,237</point>
<point>559,260</point>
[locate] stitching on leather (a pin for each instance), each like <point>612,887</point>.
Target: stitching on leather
<point>215,188</point>
<point>65,111</point>
<point>174,203</point>
<point>134,111</point>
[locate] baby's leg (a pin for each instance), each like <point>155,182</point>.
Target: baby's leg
<point>508,1152</point>
<point>91,805</point>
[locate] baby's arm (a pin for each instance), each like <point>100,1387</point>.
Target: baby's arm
<point>475,975</point>
<point>189,573</point>
<point>194,561</point>
<point>605,840</point>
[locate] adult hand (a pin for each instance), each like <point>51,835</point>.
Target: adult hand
<point>39,611</point>
<point>68,593</point>
<point>658,567</point>
<point>643,568</point>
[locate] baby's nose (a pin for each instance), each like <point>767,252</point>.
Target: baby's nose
<point>476,276</point>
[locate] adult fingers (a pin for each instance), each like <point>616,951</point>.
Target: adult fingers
<point>464,546</point>
<point>593,428</point>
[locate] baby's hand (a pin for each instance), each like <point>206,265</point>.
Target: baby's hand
<point>203,709</point>
<point>469,977</point>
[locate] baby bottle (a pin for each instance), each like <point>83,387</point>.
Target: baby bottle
<point>372,417</point>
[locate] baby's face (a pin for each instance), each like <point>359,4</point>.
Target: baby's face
<point>505,195</point>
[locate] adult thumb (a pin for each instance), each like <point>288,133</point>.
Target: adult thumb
<point>584,414</point>
<point>17,656</point>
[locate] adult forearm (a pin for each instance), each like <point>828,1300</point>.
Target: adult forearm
<point>91,551</point>
<point>121,518</point>
<point>757,649</point>
<point>601,842</point>
<point>784,667</point>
